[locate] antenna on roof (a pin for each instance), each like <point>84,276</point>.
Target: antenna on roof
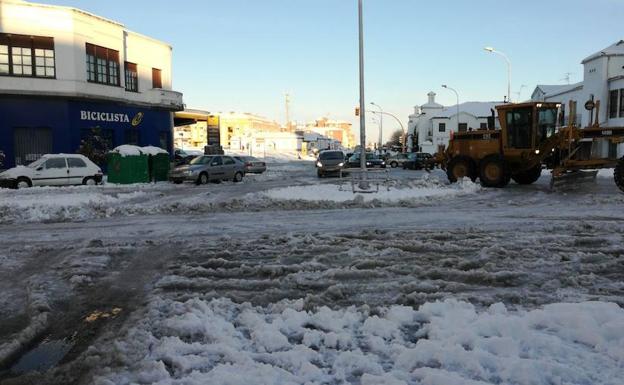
<point>520,92</point>
<point>567,77</point>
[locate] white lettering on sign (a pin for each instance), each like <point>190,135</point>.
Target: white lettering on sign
<point>607,132</point>
<point>104,116</point>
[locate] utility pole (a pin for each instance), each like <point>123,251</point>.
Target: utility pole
<point>362,103</point>
<point>287,102</point>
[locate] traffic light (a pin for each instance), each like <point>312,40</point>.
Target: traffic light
<point>357,111</point>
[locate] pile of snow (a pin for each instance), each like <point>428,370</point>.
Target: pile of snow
<point>152,150</point>
<point>443,343</point>
<point>127,150</point>
<point>411,190</point>
<point>274,156</point>
<point>130,150</point>
<point>44,204</point>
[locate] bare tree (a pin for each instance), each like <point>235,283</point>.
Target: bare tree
<point>395,139</point>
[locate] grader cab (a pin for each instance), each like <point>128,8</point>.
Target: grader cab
<point>532,137</point>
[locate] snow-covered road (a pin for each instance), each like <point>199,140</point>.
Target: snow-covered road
<point>237,284</point>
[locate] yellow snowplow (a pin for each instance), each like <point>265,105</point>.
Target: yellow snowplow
<point>531,138</point>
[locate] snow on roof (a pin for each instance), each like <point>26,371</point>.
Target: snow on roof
<point>152,150</point>
<point>476,109</point>
<point>616,49</point>
<point>127,150</point>
<point>557,89</point>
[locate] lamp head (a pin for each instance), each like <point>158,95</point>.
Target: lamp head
<point>489,49</point>
<point>443,85</point>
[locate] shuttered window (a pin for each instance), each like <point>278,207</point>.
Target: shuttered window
<point>102,65</point>
<point>156,78</point>
<point>132,77</point>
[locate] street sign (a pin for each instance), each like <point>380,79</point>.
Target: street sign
<point>590,105</point>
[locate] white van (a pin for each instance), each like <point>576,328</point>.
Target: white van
<point>53,170</point>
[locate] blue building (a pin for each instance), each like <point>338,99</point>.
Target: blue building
<point>74,75</point>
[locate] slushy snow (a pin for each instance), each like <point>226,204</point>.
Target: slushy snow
<point>441,343</point>
<point>414,190</point>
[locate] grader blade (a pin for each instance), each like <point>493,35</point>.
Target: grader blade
<point>572,179</point>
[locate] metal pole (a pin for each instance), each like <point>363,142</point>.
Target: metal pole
<point>362,106</point>
<point>490,49</point>
<point>457,98</point>
<point>380,145</point>
<point>382,113</point>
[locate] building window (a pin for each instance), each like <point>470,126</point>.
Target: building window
<point>132,77</point>
<point>463,127</point>
<point>132,137</point>
<point>442,127</point>
<point>483,126</point>
<point>621,102</point>
<point>156,78</point>
<point>44,62</point>
<point>613,103</point>
<point>102,65</point>
<point>164,140</point>
<point>22,55</point>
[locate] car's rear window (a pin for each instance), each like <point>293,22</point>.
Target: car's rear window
<point>331,155</point>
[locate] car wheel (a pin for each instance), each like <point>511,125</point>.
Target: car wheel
<point>238,177</point>
<point>203,178</point>
<point>89,181</point>
<point>177,181</point>
<point>393,164</point>
<point>23,182</point>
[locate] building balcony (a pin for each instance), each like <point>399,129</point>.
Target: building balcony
<point>165,98</point>
<point>155,97</point>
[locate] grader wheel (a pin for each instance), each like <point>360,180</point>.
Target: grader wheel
<point>618,174</point>
<point>493,171</point>
<point>529,176</point>
<point>460,167</point>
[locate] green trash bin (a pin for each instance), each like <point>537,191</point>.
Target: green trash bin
<point>160,167</point>
<point>127,165</point>
<point>159,163</point>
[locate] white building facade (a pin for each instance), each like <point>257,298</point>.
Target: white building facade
<point>430,127</point>
<point>66,73</point>
<point>603,80</point>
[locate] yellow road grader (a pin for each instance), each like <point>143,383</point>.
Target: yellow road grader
<point>531,137</point>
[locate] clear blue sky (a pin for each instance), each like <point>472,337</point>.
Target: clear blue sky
<point>244,54</point>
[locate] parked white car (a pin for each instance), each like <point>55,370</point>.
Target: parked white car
<point>53,170</point>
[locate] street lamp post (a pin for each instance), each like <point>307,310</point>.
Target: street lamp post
<point>362,104</point>
<point>457,96</point>
<point>380,145</point>
<point>381,113</point>
<point>492,50</point>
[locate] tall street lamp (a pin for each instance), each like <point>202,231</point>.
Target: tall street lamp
<point>382,113</point>
<point>362,103</point>
<point>457,96</point>
<point>492,50</point>
<point>380,125</point>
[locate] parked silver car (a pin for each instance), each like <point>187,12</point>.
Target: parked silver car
<point>252,165</point>
<point>209,168</point>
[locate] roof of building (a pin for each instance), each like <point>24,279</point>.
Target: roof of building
<point>89,14</point>
<point>550,90</point>
<point>616,49</point>
<point>476,109</point>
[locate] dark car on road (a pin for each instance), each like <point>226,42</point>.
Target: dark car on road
<point>209,168</point>
<point>418,161</point>
<point>184,156</point>
<point>372,161</point>
<point>329,162</point>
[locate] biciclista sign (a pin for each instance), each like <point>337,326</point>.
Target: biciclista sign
<point>97,116</point>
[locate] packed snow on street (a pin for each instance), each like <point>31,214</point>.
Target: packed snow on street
<point>286,278</point>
